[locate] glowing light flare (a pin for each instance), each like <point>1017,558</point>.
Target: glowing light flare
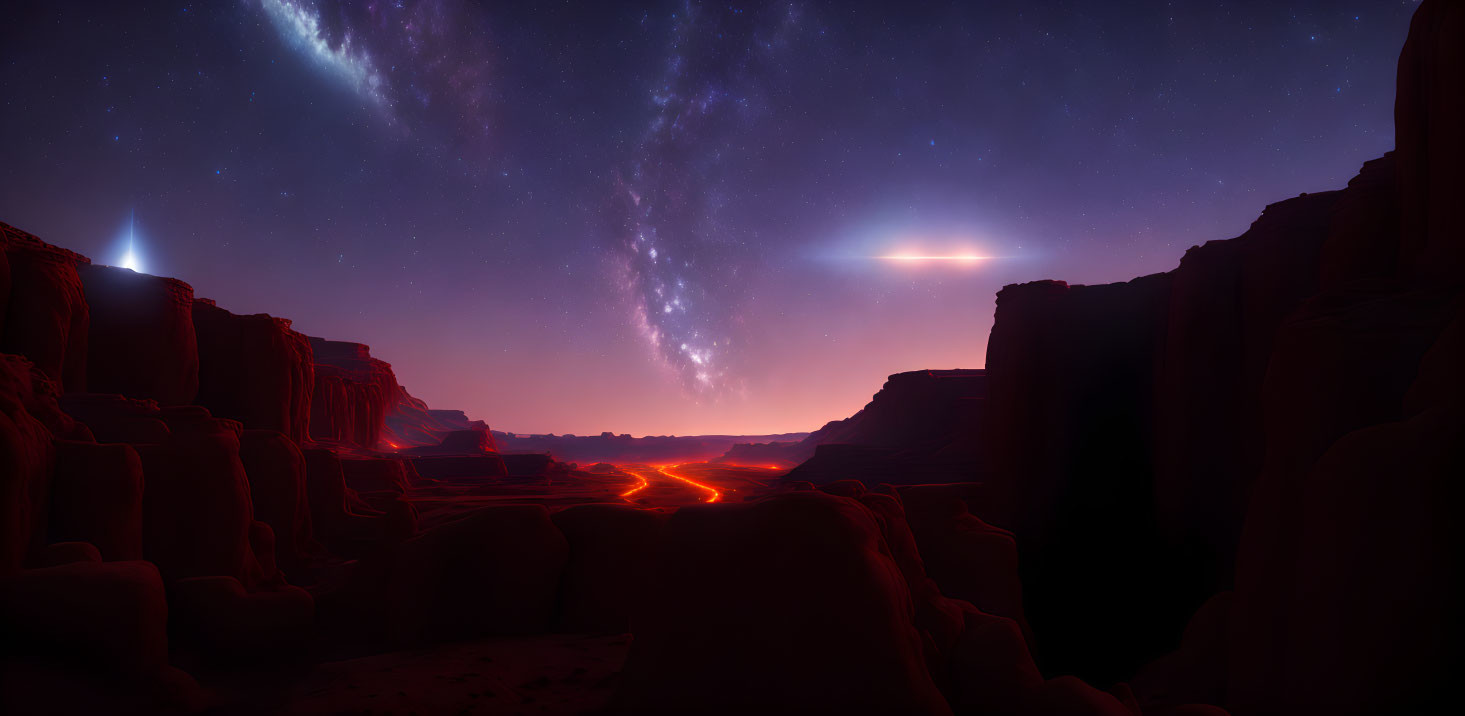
<point>964,258</point>
<point>714,494</point>
<point>129,258</point>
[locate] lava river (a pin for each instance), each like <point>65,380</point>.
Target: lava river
<point>688,483</point>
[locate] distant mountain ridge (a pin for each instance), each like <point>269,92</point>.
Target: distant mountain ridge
<point>925,418</point>
<point>610,447</point>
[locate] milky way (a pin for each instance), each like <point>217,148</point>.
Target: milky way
<point>662,216</point>
<point>421,62</point>
<point>681,262</point>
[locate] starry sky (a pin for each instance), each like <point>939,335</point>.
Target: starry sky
<point>667,217</point>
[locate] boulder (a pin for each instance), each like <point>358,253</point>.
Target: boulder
<point>610,547</point>
<point>110,616</point>
<point>494,571</point>
<point>89,637</point>
<point>791,604</point>
<point>225,623</point>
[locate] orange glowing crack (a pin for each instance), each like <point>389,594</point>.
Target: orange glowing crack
<point>714,495</point>
<point>639,487</point>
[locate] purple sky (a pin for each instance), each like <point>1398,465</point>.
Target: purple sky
<point>477,192</point>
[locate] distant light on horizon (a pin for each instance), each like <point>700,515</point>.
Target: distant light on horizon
<point>129,261</point>
<point>935,257</point>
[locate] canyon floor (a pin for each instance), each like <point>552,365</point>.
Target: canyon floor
<point>554,674</point>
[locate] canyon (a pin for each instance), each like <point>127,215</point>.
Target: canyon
<point>1226,488</point>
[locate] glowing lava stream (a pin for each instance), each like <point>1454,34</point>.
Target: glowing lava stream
<point>715,495</point>
<point>643,485</point>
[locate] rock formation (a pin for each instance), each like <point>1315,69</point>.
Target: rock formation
<point>195,457</point>
<point>1273,415</point>
<point>825,626</point>
<point>254,369</point>
<point>140,340</point>
<point>920,427</point>
<point>46,313</point>
<point>353,394</point>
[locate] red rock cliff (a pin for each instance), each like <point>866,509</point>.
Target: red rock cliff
<point>254,369</point>
<point>353,394</point>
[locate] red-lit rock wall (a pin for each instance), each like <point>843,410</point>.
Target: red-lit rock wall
<point>353,394</point>
<point>46,313</point>
<point>141,339</point>
<point>255,369</point>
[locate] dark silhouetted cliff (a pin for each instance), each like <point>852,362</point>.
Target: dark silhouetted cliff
<point>920,427</point>
<point>1276,417</point>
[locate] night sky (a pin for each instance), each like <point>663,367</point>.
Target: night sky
<point>664,217</point>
